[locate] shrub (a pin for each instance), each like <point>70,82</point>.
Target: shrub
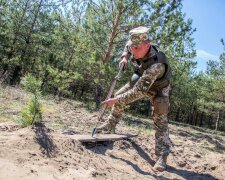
<point>31,84</point>
<point>31,113</point>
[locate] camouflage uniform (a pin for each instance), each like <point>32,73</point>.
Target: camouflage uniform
<point>146,85</point>
<point>159,99</point>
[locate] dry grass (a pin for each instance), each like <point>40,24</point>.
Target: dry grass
<point>11,101</point>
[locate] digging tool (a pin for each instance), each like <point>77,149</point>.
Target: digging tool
<point>108,96</point>
<point>101,137</point>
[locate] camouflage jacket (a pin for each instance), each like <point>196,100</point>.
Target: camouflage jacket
<point>153,71</point>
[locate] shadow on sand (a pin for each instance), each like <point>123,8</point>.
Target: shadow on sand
<point>102,147</point>
<point>99,147</point>
<point>44,139</point>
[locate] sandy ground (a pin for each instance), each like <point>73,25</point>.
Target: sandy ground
<point>48,151</point>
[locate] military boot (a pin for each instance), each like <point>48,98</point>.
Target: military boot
<point>160,164</point>
<point>107,128</point>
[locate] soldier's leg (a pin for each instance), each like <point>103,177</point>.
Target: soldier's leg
<point>118,108</point>
<point>161,110</point>
<point>151,95</point>
<point>161,106</point>
<point>116,112</point>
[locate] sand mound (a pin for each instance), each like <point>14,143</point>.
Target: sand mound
<point>47,150</point>
<point>39,152</point>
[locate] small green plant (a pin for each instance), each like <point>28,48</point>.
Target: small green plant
<point>31,84</point>
<point>31,113</point>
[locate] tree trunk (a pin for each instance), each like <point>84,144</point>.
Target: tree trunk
<point>28,37</point>
<point>209,122</point>
<point>192,115</point>
<point>201,119</point>
<point>16,75</point>
<point>98,93</point>
<point>107,54</point>
<point>217,120</point>
<point>177,115</point>
<point>196,118</point>
<point>82,92</point>
<point>188,118</point>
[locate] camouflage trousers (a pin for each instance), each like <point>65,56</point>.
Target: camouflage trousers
<point>160,106</point>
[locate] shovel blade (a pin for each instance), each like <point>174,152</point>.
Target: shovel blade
<point>101,137</point>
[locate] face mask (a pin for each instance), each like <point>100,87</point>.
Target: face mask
<point>141,50</point>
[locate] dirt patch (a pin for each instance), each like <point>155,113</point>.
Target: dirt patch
<point>9,127</point>
<point>48,151</point>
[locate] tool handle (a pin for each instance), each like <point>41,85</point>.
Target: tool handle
<point>110,93</point>
<point>114,82</point>
<point>121,68</point>
<point>107,97</point>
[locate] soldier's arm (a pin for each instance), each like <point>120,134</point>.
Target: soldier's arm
<point>143,84</point>
<point>125,55</point>
<point>126,52</point>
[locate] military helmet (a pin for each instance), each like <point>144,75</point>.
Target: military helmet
<point>138,35</point>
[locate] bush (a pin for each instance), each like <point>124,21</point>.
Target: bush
<point>31,113</point>
<point>31,84</point>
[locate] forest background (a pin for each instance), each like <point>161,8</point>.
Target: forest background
<point>72,49</point>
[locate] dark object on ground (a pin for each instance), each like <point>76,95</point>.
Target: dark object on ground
<point>101,137</point>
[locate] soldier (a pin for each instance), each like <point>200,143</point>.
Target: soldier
<point>151,78</point>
